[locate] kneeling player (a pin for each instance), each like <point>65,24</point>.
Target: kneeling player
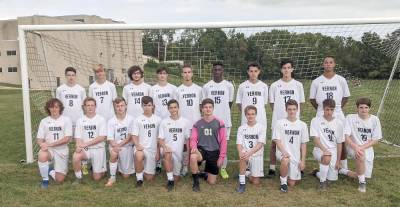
<point>327,132</point>
<point>173,135</point>
<point>362,131</point>
<point>250,144</point>
<point>208,143</point>
<point>121,148</point>
<point>53,136</point>
<point>144,134</point>
<point>291,137</point>
<point>90,135</point>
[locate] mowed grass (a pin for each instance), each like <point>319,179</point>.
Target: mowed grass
<point>20,183</point>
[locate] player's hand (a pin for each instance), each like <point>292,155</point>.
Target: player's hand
<point>139,147</point>
<point>78,149</point>
<point>359,152</point>
<point>302,165</point>
<point>116,149</point>
<point>194,150</point>
<point>285,154</point>
<point>326,153</point>
<point>167,149</point>
<point>337,165</point>
<point>44,146</point>
<point>82,145</point>
<point>220,161</point>
<point>246,155</point>
<point>242,154</point>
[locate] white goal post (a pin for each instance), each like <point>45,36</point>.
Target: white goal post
<point>286,24</point>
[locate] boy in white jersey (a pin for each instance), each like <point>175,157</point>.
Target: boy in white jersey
<point>71,95</point>
<point>250,145</point>
<point>291,137</point>
<point>327,132</point>
<point>104,92</point>
<point>362,132</point>
<point>330,86</point>
<point>120,145</point>
<point>253,92</point>
<point>134,91</point>
<point>280,92</point>
<point>222,92</point>
<point>162,92</point>
<point>144,134</point>
<point>189,96</point>
<point>90,136</point>
<point>54,133</point>
<point>174,133</point>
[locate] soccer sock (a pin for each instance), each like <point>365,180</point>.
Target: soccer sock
<point>52,173</point>
<point>318,175</point>
<point>283,180</point>
<point>78,174</point>
<point>195,178</point>
<point>139,176</point>
<point>170,176</point>
<point>343,171</point>
<point>44,169</point>
<point>323,170</point>
<point>361,178</point>
<point>272,167</point>
<point>225,162</point>
<point>113,169</point>
<point>343,164</point>
<point>242,179</point>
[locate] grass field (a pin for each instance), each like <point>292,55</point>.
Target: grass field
<point>20,183</point>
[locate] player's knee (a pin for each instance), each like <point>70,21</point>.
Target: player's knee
<point>285,161</point>
<point>194,158</point>
<point>139,156</point>
<point>326,159</point>
<point>212,181</point>
<point>43,156</point>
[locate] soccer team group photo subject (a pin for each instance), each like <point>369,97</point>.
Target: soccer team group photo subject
<point>186,129</point>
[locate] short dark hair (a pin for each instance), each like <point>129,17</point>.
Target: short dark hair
<point>218,63</point>
<point>363,100</point>
<point>119,100</point>
<point>70,69</point>
<point>99,67</point>
<point>187,66</point>
<point>87,99</point>
<point>330,103</point>
<point>207,101</point>
<point>254,64</point>
<point>51,103</point>
<point>291,102</point>
<point>330,56</point>
<point>172,101</point>
<point>286,61</point>
<point>161,69</point>
<point>250,107</point>
<point>133,70</point>
<point>147,99</point>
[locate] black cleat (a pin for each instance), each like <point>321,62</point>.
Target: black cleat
<point>284,188</point>
<point>241,188</point>
<point>170,185</point>
<point>314,172</point>
<point>139,183</point>
<point>196,187</point>
<point>322,186</point>
<point>271,173</point>
<point>158,170</point>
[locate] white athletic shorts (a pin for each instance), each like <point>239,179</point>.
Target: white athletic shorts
<point>149,161</point>
<point>60,159</point>
<point>294,172</point>
<point>332,172</point>
<point>97,157</point>
<point>256,166</point>
<point>126,160</point>
<point>369,159</point>
<point>177,163</point>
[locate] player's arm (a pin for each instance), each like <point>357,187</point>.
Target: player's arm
<point>344,101</point>
<point>281,148</point>
<point>194,137</point>
<point>93,141</point>
<point>359,151</point>
<point>125,141</point>
<point>338,154</point>
<point>314,103</point>
<point>42,143</point>
<point>369,144</point>
<point>59,142</point>
<point>135,140</point>
<point>239,105</point>
<point>272,106</point>
<point>161,143</point>
<point>317,142</point>
<point>301,106</point>
<point>313,94</point>
<point>303,150</point>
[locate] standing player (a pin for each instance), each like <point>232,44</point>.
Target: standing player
<point>291,137</point>
<point>173,135</point>
<point>207,143</point>
<point>189,96</point>
<point>253,92</point>
<point>54,133</point>
<point>330,86</point>
<point>71,95</point>
<point>144,134</point>
<point>280,92</point>
<point>120,145</point>
<point>222,92</point>
<point>103,92</point>
<point>162,92</point>
<point>134,91</point>
<point>90,136</point>
<point>362,132</point>
<point>250,144</point>
<point>327,132</point>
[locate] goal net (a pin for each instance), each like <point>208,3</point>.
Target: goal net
<point>366,51</point>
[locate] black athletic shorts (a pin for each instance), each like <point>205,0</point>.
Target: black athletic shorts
<point>211,158</point>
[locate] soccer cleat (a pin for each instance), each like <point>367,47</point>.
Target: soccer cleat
<point>224,174</point>
<point>241,188</point>
<point>322,186</point>
<point>284,188</point>
<point>247,173</point>
<point>362,187</point>
<point>314,172</point>
<point>85,170</point>
<point>184,171</point>
<point>44,184</point>
<point>77,181</point>
<point>158,170</point>
<point>196,187</point>
<point>139,183</point>
<point>110,182</point>
<point>170,185</point>
<point>302,174</point>
<point>271,173</point>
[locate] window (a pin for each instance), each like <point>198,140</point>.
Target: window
<point>12,69</point>
<point>11,52</point>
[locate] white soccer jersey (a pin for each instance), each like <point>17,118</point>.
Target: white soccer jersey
<point>146,128</point>
<point>189,99</point>
<point>280,92</point>
<point>72,99</point>
<point>54,129</point>
<point>161,95</point>
<point>104,94</point>
<point>221,93</point>
<point>91,128</point>
<point>175,133</point>
<point>361,130</point>
<point>335,88</point>
<point>330,133</point>
<point>118,130</point>
<point>253,94</point>
<point>250,136</point>
<point>292,135</point>
<point>133,96</point>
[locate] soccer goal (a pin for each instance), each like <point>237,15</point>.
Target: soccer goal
<point>366,50</point>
